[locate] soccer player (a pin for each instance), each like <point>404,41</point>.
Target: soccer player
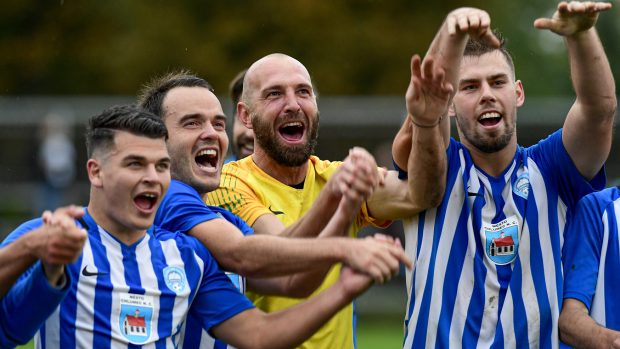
<point>282,181</point>
<point>590,316</point>
<point>47,243</point>
<point>242,144</point>
<point>197,143</point>
<point>488,259</point>
<point>134,283</point>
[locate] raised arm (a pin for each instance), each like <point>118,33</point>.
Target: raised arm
<point>419,147</point>
<point>588,126</point>
<point>579,330</point>
<point>288,328</point>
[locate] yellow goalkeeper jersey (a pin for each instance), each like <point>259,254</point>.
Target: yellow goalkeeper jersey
<point>250,193</point>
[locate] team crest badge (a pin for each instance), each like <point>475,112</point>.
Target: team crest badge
<point>135,317</point>
<point>521,186</point>
<point>502,241</point>
<point>175,279</point>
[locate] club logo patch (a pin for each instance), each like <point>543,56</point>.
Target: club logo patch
<point>135,317</point>
<point>175,279</point>
<point>502,241</point>
<point>521,186</point>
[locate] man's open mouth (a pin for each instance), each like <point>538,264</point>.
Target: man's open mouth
<point>207,159</point>
<point>292,131</point>
<point>490,119</point>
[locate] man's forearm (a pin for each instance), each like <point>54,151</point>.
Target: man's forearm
<point>263,255</point>
<point>579,330</point>
<point>15,258</point>
<point>591,75</point>
<point>427,165</point>
<point>314,220</point>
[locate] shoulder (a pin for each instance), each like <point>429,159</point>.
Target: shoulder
<point>182,242</point>
<point>324,167</point>
<point>600,200</point>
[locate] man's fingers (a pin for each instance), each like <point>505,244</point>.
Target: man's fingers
<point>543,23</point>
<point>490,39</point>
<point>451,23</point>
<point>463,23</point>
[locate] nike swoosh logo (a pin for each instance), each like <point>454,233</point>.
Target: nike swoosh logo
<point>275,212</point>
<point>85,272</point>
<point>469,193</point>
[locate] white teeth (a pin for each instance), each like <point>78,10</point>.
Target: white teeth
<point>295,123</point>
<point>149,195</point>
<point>208,152</point>
<point>489,116</point>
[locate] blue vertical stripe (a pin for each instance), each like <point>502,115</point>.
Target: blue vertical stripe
<point>474,313</point>
<point>103,291</point>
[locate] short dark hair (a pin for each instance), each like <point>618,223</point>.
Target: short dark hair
<point>152,95</point>
<point>130,118</point>
<point>236,89</point>
<point>478,48</point>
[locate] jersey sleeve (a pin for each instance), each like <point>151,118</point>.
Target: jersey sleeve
<point>182,209</point>
<point>554,161</point>
<point>582,251</point>
<point>27,305</point>
<point>217,299</point>
<point>236,195</point>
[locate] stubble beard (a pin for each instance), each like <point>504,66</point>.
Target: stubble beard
<point>484,143</point>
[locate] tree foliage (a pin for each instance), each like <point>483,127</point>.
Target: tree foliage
<point>351,47</point>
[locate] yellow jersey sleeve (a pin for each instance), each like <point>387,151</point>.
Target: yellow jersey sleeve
<point>236,194</point>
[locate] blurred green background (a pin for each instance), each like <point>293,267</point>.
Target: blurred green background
<point>352,47</point>
<point>86,55</point>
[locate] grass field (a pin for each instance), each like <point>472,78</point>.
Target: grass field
<point>380,332</point>
<point>372,333</point>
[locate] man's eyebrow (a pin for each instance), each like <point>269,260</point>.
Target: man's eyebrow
<point>468,81</point>
<point>189,117</point>
<point>134,157</point>
<point>498,76</point>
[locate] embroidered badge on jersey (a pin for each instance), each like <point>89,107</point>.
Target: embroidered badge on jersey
<point>135,317</point>
<point>521,186</point>
<point>502,240</point>
<point>175,279</point>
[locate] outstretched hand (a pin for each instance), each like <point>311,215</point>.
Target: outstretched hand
<point>61,239</point>
<point>377,256</point>
<point>474,22</point>
<point>573,17</point>
<point>428,95</point>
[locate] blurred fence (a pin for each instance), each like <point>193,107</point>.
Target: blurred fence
<point>370,122</point>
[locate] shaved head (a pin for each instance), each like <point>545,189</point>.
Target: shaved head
<point>267,66</point>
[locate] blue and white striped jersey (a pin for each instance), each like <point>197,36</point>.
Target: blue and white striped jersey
<point>487,260</point>
<point>592,258</point>
<point>138,295</point>
<point>182,209</point>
